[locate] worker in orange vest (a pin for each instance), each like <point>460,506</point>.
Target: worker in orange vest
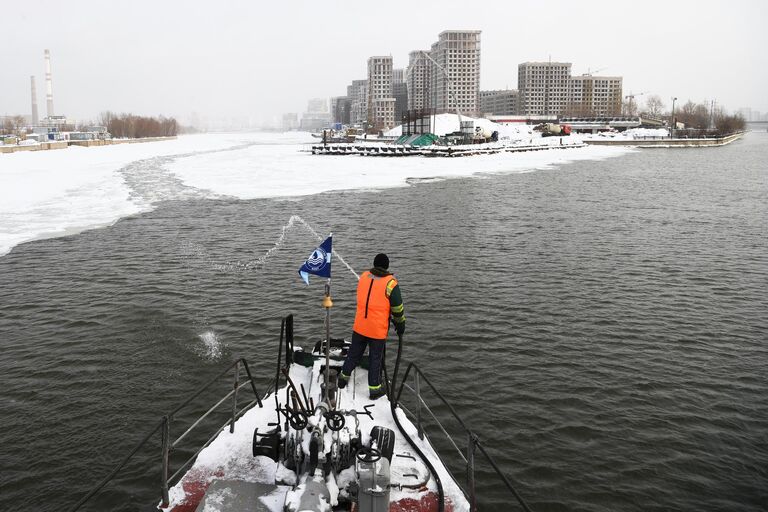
<point>378,300</point>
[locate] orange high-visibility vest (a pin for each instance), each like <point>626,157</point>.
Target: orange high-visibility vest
<point>372,316</point>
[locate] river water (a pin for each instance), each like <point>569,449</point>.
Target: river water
<point>601,325</point>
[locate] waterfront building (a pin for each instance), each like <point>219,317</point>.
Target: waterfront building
<point>400,93</point>
<point>381,102</point>
<point>751,115</point>
<point>418,80</point>
<point>457,54</point>
<point>499,102</point>
<point>543,87</point>
<point>59,122</point>
<point>290,121</point>
<point>357,92</point>
<point>317,116</point>
<point>594,96</point>
<point>340,106</point>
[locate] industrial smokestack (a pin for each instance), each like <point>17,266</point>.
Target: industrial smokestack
<point>35,118</point>
<point>48,84</point>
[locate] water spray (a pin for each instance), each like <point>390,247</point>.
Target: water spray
<point>258,263</point>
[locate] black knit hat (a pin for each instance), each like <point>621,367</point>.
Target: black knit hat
<point>381,260</point>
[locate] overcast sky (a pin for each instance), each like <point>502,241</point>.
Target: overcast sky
<point>258,59</point>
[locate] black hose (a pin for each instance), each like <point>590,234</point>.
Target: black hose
<point>393,405</point>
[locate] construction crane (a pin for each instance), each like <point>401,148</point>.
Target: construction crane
<point>631,97</point>
<point>451,88</point>
<point>590,72</point>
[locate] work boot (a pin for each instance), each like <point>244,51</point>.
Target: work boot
<point>375,393</point>
<point>342,381</point>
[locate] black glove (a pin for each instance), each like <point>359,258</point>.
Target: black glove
<point>399,328</point>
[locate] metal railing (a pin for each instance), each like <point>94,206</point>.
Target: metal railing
<point>286,349</point>
<point>164,426</point>
<point>473,442</point>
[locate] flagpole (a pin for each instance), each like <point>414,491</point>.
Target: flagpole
<point>327,304</point>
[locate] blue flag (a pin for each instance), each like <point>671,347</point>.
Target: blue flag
<point>319,262</point>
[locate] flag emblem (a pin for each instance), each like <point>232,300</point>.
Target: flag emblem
<point>319,262</point>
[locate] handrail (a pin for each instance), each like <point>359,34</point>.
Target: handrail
<point>286,343</point>
<point>164,427</point>
<point>472,443</point>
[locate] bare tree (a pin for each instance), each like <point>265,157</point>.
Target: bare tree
<point>105,118</point>
<point>654,106</point>
<point>729,124</point>
<point>18,122</point>
<point>694,115</point>
<point>629,107</point>
<point>131,126</point>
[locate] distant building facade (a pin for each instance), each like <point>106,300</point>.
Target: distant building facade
<point>400,93</point>
<point>751,115</point>
<point>457,52</point>
<point>594,96</point>
<point>357,92</point>
<point>543,87</point>
<point>317,116</point>
<point>381,102</point>
<point>290,121</point>
<point>340,109</point>
<point>499,102</point>
<point>547,88</point>
<point>418,80</point>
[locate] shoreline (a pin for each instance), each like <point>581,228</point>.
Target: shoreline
<point>64,144</point>
<point>669,143</point>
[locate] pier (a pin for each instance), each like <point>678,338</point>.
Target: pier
<point>665,142</point>
<point>397,150</point>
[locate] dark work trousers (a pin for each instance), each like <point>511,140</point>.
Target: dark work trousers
<point>375,352</point>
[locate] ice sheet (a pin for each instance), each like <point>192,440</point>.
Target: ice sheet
<point>277,171</point>
<point>59,192</point>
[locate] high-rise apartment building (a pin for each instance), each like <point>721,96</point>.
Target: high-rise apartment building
<point>357,92</point>
<point>381,102</point>
<point>543,87</point>
<point>340,106</point>
<point>500,103</point>
<point>400,93</point>
<point>417,80</point>
<point>457,55</point>
<point>594,96</point>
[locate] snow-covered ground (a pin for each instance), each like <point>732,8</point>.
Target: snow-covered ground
<point>633,134</point>
<point>53,193</point>
<point>444,124</point>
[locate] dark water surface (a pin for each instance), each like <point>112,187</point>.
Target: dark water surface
<point>602,326</point>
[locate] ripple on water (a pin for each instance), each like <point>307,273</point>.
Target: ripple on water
<point>602,329</point>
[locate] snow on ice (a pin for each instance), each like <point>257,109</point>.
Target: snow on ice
<point>60,192</point>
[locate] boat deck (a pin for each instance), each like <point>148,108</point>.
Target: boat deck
<point>227,477</point>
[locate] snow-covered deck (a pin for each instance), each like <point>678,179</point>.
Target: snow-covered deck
<point>229,457</point>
